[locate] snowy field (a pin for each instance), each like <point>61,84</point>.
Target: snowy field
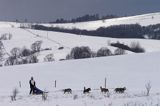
<point>132,71</point>
<point>53,40</point>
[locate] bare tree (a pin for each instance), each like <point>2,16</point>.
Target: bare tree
<point>25,52</point>
<point>9,36</point>
<point>49,58</point>
<point>80,52</point>
<point>104,51</point>
<point>10,61</point>
<point>15,52</point>
<point>33,59</point>
<point>14,94</point>
<point>6,36</point>
<point>119,51</point>
<point>148,88</point>
<point>1,45</point>
<point>136,47</point>
<point>44,96</point>
<point>1,51</point>
<point>36,46</point>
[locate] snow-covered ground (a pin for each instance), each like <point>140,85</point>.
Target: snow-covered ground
<point>144,20</point>
<point>25,37</point>
<point>132,71</point>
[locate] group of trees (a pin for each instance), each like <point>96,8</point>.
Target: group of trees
<point>85,18</point>
<point>116,31</point>
<point>1,52</point>
<point>26,56</point>
<point>6,36</point>
<point>21,56</point>
<point>86,52</point>
<point>134,47</point>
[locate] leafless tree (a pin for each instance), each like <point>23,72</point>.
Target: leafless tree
<point>36,46</point>
<point>80,52</point>
<point>104,51</point>
<point>25,52</point>
<point>44,96</point>
<point>119,51</point>
<point>10,61</point>
<point>49,58</point>
<point>6,36</point>
<point>33,59</point>
<point>14,94</point>
<point>136,47</point>
<point>148,88</point>
<point>1,51</point>
<point>15,52</point>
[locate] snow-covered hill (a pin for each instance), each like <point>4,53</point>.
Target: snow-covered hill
<point>54,40</point>
<point>132,71</point>
<point>144,20</point>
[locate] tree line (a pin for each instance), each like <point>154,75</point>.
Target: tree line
<point>84,18</point>
<point>115,31</point>
<point>86,52</point>
<point>23,55</point>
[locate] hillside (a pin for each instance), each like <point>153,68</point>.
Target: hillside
<point>132,71</point>
<point>144,20</point>
<point>53,40</point>
<point>22,37</point>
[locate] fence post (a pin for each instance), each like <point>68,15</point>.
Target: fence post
<point>20,84</point>
<point>55,83</point>
<point>105,82</point>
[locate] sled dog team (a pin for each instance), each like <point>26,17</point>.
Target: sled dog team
<point>35,90</point>
<point>103,90</point>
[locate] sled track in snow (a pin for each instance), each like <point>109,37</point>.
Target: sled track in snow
<point>37,35</point>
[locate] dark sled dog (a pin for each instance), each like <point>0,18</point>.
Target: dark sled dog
<point>120,90</point>
<point>86,90</point>
<point>104,90</point>
<point>68,90</point>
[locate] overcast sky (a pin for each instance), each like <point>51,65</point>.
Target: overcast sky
<point>49,10</point>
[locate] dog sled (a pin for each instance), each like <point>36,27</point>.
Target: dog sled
<point>37,91</point>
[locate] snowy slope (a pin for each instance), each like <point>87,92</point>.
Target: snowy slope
<point>9,24</point>
<point>132,71</point>
<point>144,20</point>
<point>90,72</point>
<point>25,37</point>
